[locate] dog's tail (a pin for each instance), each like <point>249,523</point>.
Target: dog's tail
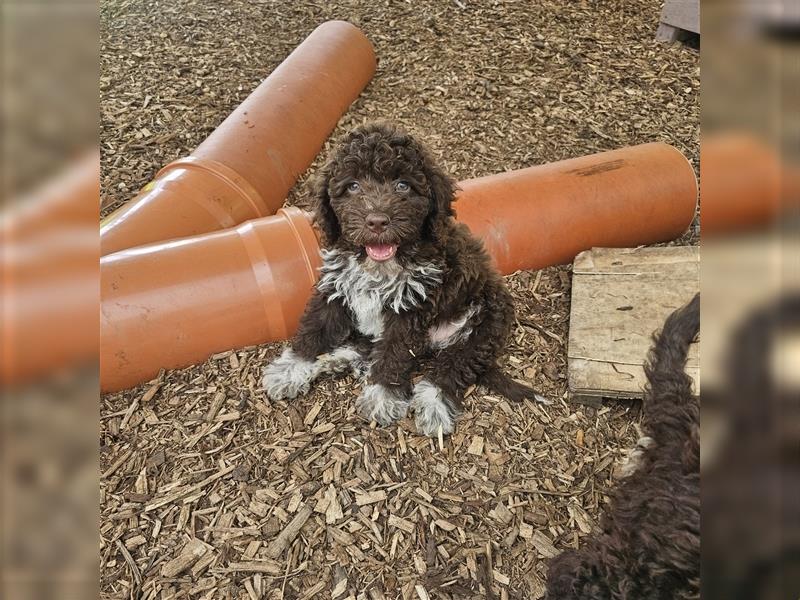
<point>502,384</point>
<point>667,360</point>
<point>670,412</point>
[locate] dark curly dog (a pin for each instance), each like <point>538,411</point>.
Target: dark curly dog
<point>403,289</point>
<point>649,544</point>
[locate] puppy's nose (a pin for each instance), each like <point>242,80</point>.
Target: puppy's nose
<point>377,222</point>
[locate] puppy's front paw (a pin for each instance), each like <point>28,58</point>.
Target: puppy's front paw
<point>432,409</point>
<point>288,375</point>
<point>344,358</point>
<point>381,404</point>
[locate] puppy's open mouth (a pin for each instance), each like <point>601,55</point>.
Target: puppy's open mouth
<point>381,252</point>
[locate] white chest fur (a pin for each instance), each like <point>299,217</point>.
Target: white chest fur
<point>370,291</point>
<point>367,308</point>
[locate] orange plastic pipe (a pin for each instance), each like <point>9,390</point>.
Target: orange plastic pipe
<point>68,200</point>
<point>174,304</point>
<point>740,185</point>
<point>547,214</point>
<point>49,265</point>
<point>245,168</point>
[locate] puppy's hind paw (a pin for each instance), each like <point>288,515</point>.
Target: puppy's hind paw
<point>381,404</point>
<point>432,409</point>
<point>542,400</point>
<point>288,376</point>
<point>345,358</point>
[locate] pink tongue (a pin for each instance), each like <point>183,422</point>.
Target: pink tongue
<point>381,251</point>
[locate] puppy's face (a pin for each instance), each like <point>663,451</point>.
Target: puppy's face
<point>381,204</point>
<point>381,192</point>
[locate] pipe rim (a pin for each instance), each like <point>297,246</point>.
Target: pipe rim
<point>300,223</point>
<point>225,173</point>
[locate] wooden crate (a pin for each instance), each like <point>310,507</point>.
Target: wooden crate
<point>619,298</point>
<point>678,18</point>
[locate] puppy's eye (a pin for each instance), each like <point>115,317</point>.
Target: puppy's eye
<point>353,186</point>
<point>402,186</point>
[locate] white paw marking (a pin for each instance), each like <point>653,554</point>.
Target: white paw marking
<point>362,369</point>
<point>381,404</point>
<point>451,332</point>
<point>289,375</point>
<point>541,399</point>
<point>634,459</point>
<point>432,410</point>
<point>342,359</point>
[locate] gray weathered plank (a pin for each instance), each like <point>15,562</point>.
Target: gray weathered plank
<point>668,33</point>
<point>683,14</point>
<point>619,298</point>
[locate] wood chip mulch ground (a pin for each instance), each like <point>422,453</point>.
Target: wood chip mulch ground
<point>208,489</point>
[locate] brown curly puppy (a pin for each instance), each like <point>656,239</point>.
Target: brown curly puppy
<point>403,288</point>
<point>649,544</point>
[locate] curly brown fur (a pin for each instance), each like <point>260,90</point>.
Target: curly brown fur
<point>403,288</point>
<point>649,544</point>
<point>751,473</point>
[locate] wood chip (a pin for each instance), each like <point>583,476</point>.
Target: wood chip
<point>185,492</point>
<point>370,497</point>
<point>476,446</point>
<point>525,531</point>
<point>312,413</point>
<point>192,551</point>
<point>270,567</point>
<point>287,536</point>
<point>315,589</point>
<point>117,464</point>
<point>422,593</point>
<point>500,578</point>
<point>446,525</point>
<point>135,541</point>
<point>202,564</point>
<point>333,513</point>
<point>501,513</point>
<point>400,523</point>
<point>216,405</point>
<point>137,577</point>
<point>150,393</point>
<point>544,545</point>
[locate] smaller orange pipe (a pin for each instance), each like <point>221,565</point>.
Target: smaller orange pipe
<point>547,214</point>
<point>173,304</point>
<point>245,168</point>
<point>742,184</point>
<point>68,200</point>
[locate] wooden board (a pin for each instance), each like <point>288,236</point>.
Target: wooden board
<point>678,16</point>
<point>684,14</point>
<point>619,298</point>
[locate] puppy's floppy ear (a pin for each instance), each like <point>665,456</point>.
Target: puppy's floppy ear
<point>443,190</point>
<point>323,212</point>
